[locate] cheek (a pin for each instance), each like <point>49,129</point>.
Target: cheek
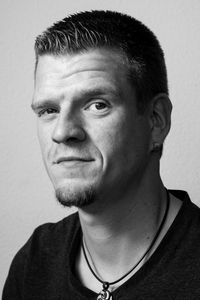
<point>110,138</point>
<point>122,143</point>
<point>44,137</point>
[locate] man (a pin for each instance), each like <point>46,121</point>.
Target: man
<point>101,99</point>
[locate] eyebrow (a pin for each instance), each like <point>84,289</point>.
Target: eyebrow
<point>99,91</point>
<point>42,103</point>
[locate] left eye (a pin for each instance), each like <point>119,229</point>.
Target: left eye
<point>98,106</point>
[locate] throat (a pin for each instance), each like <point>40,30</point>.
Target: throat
<point>114,258</point>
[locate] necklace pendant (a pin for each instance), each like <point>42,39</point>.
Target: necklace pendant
<point>105,294</point>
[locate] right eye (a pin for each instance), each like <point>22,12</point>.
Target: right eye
<point>47,111</point>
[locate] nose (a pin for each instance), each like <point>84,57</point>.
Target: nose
<point>68,130</point>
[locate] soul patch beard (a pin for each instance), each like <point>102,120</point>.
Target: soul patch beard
<point>78,199</point>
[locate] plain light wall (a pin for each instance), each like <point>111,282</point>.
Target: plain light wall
<point>27,197</point>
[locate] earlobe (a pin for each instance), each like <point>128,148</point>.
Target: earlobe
<point>160,118</point>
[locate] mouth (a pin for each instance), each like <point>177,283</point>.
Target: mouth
<point>72,159</point>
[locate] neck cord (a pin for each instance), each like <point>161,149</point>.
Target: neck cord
<point>105,293</point>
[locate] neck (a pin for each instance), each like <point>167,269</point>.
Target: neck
<point>118,233</point>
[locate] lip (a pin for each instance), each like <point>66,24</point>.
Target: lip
<point>72,159</point>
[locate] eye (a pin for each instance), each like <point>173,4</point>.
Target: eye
<point>98,107</point>
<point>46,112</point>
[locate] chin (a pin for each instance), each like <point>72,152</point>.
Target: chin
<point>80,196</point>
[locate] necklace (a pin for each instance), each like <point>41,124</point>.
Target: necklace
<point>105,294</point>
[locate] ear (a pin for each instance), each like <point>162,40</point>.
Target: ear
<point>160,118</point>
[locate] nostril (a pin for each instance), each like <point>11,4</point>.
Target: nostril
<point>73,139</point>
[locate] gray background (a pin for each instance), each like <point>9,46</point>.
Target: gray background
<point>27,197</point>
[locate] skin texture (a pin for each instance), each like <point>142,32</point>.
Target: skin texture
<point>93,139</point>
<point>91,115</point>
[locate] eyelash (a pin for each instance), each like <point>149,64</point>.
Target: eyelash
<point>43,111</point>
<point>51,110</point>
<point>101,102</point>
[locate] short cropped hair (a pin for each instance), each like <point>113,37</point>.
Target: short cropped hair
<point>113,30</point>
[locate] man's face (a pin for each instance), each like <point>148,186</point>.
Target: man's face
<point>91,135</point>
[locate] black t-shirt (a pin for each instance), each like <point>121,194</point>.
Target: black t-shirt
<point>44,268</point>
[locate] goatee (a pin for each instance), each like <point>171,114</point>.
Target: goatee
<point>78,199</point>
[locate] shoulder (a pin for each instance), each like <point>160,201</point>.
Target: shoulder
<point>188,208</point>
<point>185,229</point>
<point>63,226</point>
<point>46,249</point>
<point>49,238</point>
<point>52,235</point>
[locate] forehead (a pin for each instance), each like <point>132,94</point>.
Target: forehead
<point>94,67</point>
